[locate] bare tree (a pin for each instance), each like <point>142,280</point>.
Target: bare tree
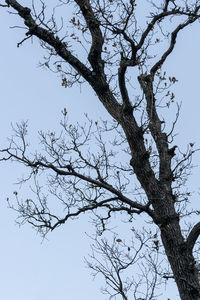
<point>140,171</point>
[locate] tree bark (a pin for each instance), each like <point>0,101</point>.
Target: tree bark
<point>160,195</point>
<point>181,261</point>
<point>158,189</point>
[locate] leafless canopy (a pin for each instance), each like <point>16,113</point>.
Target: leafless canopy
<point>129,164</point>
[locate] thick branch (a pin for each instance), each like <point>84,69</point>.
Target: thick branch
<point>97,183</point>
<point>93,206</point>
<point>94,56</point>
<point>192,18</point>
<point>150,26</point>
<point>166,5</point>
<point>4,5</point>
<point>155,126</point>
<point>174,34</point>
<point>72,172</point>
<point>48,37</point>
<point>97,81</point>
<point>193,236</point>
<point>122,85</point>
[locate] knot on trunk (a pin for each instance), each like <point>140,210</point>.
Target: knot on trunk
<point>166,220</point>
<point>171,151</point>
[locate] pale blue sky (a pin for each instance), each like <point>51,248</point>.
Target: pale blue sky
<point>55,269</point>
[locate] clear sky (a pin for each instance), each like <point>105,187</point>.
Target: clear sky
<point>54,269</point>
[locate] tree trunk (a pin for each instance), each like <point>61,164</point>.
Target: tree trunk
<point>180,258</point>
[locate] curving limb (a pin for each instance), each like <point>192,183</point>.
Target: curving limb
<point>93,24</point>
<point>174,35</point>
<point>193,236</point>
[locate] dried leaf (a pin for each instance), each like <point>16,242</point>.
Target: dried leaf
<point>118,240</point>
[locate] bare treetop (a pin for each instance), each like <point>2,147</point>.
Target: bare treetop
<point>129,165</point>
